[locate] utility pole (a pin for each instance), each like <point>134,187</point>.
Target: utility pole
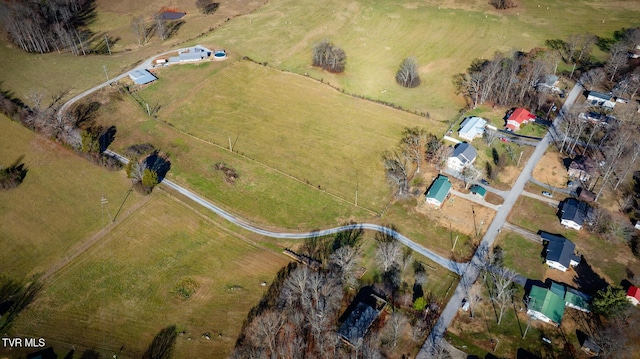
<point>519,158</point>
<point>106,39</point>
<point>104,67</point>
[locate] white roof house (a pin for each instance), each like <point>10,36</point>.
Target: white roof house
<point>601,99</point>
<point>141,77</point>
<point>471,128</point>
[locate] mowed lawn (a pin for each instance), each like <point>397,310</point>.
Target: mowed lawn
<point>535,215</point>
<point>119,294</point>
<point>58,205</point>
<point>288,122</point>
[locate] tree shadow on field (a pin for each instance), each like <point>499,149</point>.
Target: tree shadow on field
<point>158,163</point>
<point>162,345</point>
<point>587,280</point>
<point>85,113</point>
<point>20,301</point>
<point>107,137</point>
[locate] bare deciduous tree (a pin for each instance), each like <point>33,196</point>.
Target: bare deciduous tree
<point>503,4</point>
<point>395,167</point>
<point>617,59</point>
<point>264,330</point>
<point>503,288</point>
<point>395,326</point>
<point>139,30</point>
<point>388,254</point>
<point>407,74</point>
<point>347,259</point>
<point>412,145</point>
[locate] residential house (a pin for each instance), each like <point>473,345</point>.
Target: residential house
<point>192,54</point>
<point>597,118</point>
<point>559,252</point>
<point>633,294</point>
<point>600,99</point>
<point>549,83</point>
<point>365,311</point>
<point>590,347</point>
<point>519,117</point>
<point>478,191</point>
<point>574,213</point>
<point>548,304</point>
<point>582,168</point>
<point>463,156</point>
<point>438,191</point>
<point>142,77</point>
<point>471,128</point>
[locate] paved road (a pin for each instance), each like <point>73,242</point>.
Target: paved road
<point>145,65</point>
<point>453,266</point>
<point>473,268</point>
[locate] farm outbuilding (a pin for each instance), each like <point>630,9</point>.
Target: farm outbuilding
<point>141,77</point>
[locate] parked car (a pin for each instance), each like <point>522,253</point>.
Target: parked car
<point>504,139</point>
<point>547,194</point>
<point>570,184</point>
<point>484,182</point>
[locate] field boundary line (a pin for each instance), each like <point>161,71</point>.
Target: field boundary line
<point>49,275</point>
<point>319,188</point>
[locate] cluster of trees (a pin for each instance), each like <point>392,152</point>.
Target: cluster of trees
<point>74,128</point>
<point>46,26</point>
<point>505,80</point>
<point>147,172</point>
<point>299,315</point>
<point>329,57</point>
<point>12,176</point>
<point>403,162</point>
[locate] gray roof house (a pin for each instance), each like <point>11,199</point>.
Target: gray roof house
<point>463,155</point>
<point>559,252</point>
<point>192,54</point>
<point>574,213</point>
<point>141,77</point>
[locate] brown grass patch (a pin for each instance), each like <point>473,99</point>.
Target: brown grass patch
<point>551,170</point>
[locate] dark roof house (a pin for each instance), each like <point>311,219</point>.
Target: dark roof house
<point>463,155</point>
<point>362,315</point>
<point>595,98</point>
<point>574,213</point>
<point>559,252</point>
<point>582,168</point>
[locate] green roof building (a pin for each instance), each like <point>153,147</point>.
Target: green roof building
<point>546,305</point>
<point>478,190</point>
<point>438,191</point>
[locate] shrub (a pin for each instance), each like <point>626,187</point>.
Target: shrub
<point>185,288</point>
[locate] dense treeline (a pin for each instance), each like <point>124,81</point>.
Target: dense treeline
<point>46,26</point>
<point>75,128</point>
<point>504,80</point>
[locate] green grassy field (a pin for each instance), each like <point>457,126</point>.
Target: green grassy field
<point>522,255</point>
<point>120,292</point>
<point>378,36</point>
<point>57,207</point>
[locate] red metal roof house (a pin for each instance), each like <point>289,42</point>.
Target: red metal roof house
<point>519,117</point>
<point>633,294</point>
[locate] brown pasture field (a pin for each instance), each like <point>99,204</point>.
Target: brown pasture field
<point>58,205</point>
<point>132,272</point>
<point>551,170</point>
